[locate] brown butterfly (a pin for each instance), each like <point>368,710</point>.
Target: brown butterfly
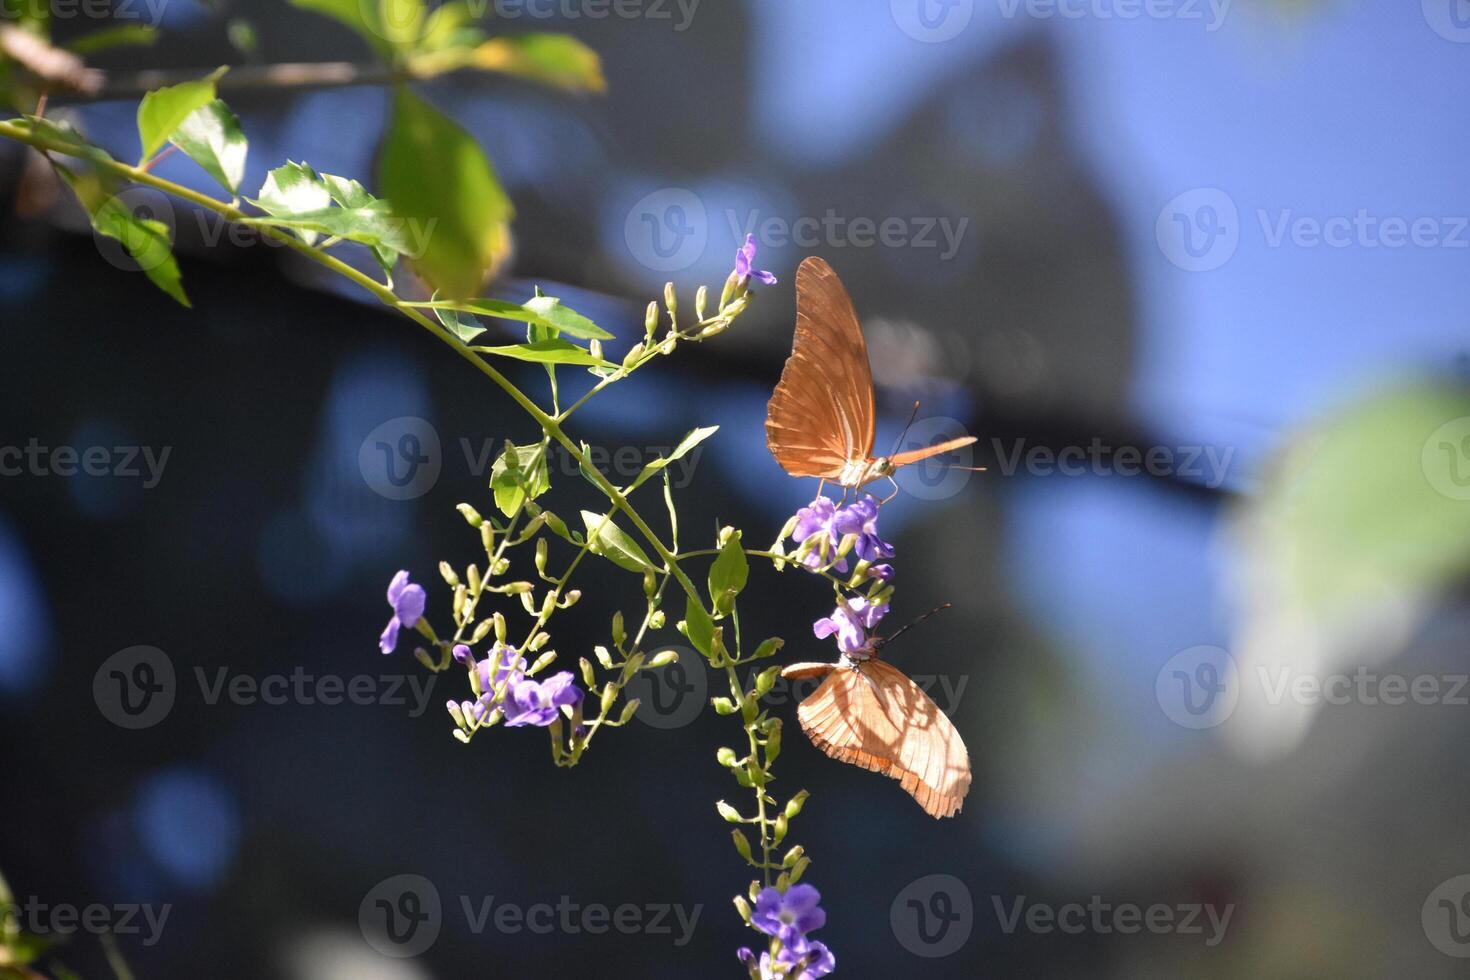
<point>868,713</point>
<point>821,419</point>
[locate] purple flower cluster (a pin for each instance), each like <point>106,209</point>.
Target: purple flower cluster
<point>822,517</point>
<point>789,917</point>
<point>407,600</point>
<point>521,699</point>
<point>850,621</point>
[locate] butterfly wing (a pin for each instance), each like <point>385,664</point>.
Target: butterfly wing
<point>877,718</point>
<point>821,415</point>
<point>939,449</point>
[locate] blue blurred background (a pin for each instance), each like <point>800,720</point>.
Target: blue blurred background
<point>1234,235</point>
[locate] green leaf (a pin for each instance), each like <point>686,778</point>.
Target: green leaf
<point>563,318</point>
<point>372,225</point>
<point>700,628</point>
<point>438,178</point>
<point>694,438</point>
<point>546,352</point>
<point>144,239</point>
<point>294,189</point>
<point>162,111</point>
<point>609,541</point>
<point>360,15</point>
<point>728,574</point>
<point>552,59</point>
<point>462,325</point>
<point>211,136</point>
<point>401,21</point>
<point>519,468</point>
<point>543,311</point>
<point>451,25</point>
<point>127,35</point>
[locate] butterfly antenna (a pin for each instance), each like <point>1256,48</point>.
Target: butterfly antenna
<point>899,441</point>
<point>939,608</point>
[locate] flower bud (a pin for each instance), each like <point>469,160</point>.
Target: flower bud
<point>499,622</point>
<point>571,598</point>
<point>460,592</point>
<point>727,758</point>
<point>603,657</point>
<point>446,570</point>
<point>470,514</point>
<point>487,537</point>
<point>541,547</point>
<point>528,603</point>
<point>609,695</point>
<point>731,284</point>
<point>667,347</point>
<point>793,855</point>
<point>542,662</point>
<point>723,706</point>
<point>845,546</point>
<point>781,828</point>
<point>472,574</point>
<point>422,656</point>
<point>650,585</point>
<point>456,714</point>
<point>743,907</point>
<point>728,812</point>
<point>664,658</point>
<point>657,620</point>
<point>671,300</point>
<point>634,352</point>
<point>589,676</point>
<point>715,329</point>
<point>618,633</point>
<point>519,588</point>
<point>650,320</point>
<point>464,655</point>
<point>629,710</point>
<point>701,300</point>
<point>793,807</point>
<point>538,641</point>
<point>742,845</point>
<point>482,630</point>
<point>500,565</point>
<point>548,604</point>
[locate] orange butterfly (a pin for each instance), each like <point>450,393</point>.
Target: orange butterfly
<point>868,713</point>
<point>821,419</point>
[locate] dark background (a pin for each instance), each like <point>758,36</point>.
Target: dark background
<point>1059,321</point>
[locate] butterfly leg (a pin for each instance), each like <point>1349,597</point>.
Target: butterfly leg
<point>893,494</point>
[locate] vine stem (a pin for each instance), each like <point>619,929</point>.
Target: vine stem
<point>550,425</point>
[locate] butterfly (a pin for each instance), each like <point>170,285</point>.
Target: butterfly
<point>820,421</point>
<point>869,713</point>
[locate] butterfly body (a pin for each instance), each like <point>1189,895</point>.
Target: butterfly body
<point>821,419</point>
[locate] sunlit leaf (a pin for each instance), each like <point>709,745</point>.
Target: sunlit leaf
<point>728,574</point>
<point>543,311</point>
<point>462,325</point>
<point>700,627</point>
<point>553,59</point>
<point>518,469</point>
<point>211,137</point>
<point>163,110</point>
<point>438,178</point>
<point>125,35</point>
<point>546,352</point>
<point>144,239</point>
<point>293,189</point>
<point>609,541</point>
<point>685,446</point>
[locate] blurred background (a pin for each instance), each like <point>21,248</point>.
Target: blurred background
<point>1194,274</point>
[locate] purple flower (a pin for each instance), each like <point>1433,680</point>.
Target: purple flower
<point>883,573</point>
<point>850,621</point>
<point>745,262</point>
<point>539,702</point>
<point>814,519</point>
<point>789,916</point>
<point>464,655</point>
<point>819,959</point>
<point>503,666</point>
<point>407,601</point>
<point>766,970</point>
<point>861,519</point>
